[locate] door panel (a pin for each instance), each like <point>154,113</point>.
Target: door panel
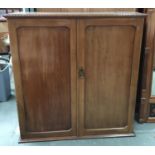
<point>106,55</point>
<point>108,71</point>
<point>48,77</point>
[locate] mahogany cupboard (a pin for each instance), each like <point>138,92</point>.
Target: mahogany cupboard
<point>75,73</point>
<point>146,91</point>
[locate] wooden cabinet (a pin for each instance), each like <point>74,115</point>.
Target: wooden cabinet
<point>146,98</point>
<point>75,73</point>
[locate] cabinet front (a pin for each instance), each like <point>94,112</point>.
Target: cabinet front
<point>108,55</point>
<point>75,76</point>
<point>47,64</point>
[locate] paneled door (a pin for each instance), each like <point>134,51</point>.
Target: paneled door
<point>108,61</point>
<point>44,55</point>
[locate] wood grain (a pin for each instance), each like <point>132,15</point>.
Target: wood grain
<point>44,61</point>
<point>145,83</point>
<point>108,91</point>
<point>46,77</point>
<point>48,51</point>
<point>108,72</point>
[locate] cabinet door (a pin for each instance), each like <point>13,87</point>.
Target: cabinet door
<point>108,60</point>
<point>44,60</point>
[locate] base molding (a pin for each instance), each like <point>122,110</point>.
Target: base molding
<point>28,140</point>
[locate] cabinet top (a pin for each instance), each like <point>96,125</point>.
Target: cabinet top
<point>74,14</point>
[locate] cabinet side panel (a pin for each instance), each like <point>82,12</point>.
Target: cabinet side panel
<point>108,66</point>
<point>45,67</point>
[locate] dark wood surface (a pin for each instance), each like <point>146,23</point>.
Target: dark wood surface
<point>45,71</point>
<point>44,61</point>
<point>145,84</point>
<point>107,93</point>
<point>105,84</point>
<point>47,55</point>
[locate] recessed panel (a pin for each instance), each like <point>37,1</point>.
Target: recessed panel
<point>45,67</point>
<point>108,66</point>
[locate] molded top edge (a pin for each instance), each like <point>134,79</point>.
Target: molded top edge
<point>75,14</point>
